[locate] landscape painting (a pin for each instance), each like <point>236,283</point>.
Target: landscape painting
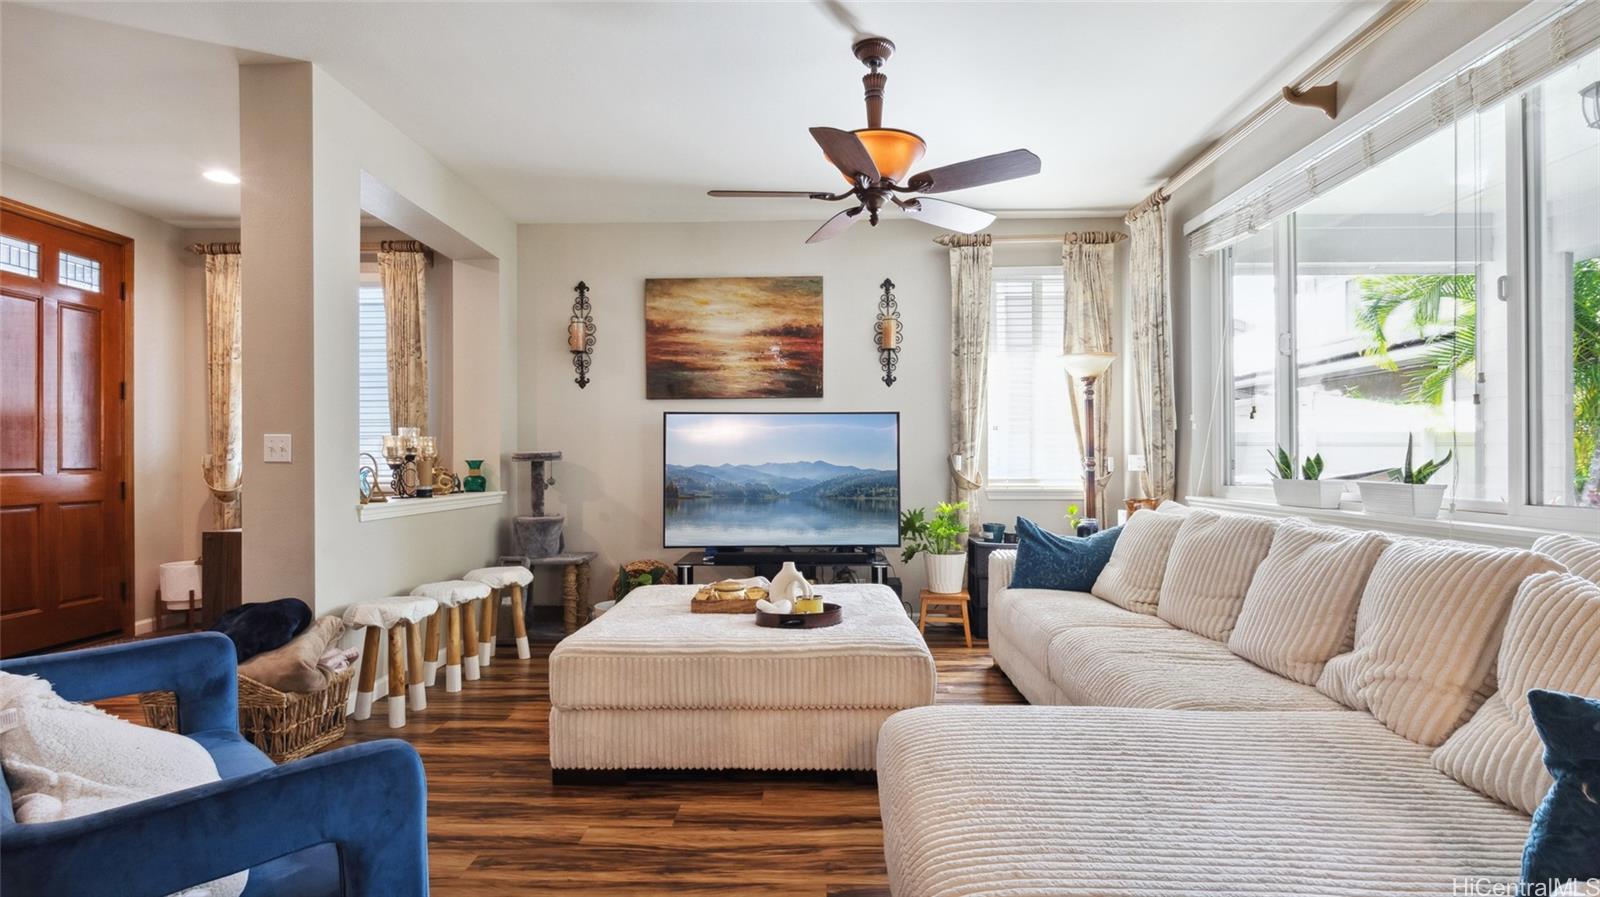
<point>785,480</point>
<point>733,338</point>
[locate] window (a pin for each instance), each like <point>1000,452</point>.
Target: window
<point>1031,443</point>
<point>1443,292</point>
<point>1252,289</point>
<point>77,271</point>
<point>1564,223</point>
<point>372,364</point>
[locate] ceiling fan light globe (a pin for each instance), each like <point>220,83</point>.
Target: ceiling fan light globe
<point>895,151</point>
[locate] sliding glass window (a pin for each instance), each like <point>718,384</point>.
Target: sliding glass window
<point>1447,298</point>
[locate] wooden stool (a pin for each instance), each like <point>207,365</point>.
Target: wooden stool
<point>453,595</point>
<point>947,601</point>
<point>498,579</point>
<point>399,617</point>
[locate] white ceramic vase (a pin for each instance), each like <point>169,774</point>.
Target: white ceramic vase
<point>946,572</point>
<point>1308,493</point>
<point>789,585</point>
<point>1402,499</point>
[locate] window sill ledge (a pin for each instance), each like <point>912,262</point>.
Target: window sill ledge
<point>1443,527</point>
<point>410,507</point>
<point>1033,493</point>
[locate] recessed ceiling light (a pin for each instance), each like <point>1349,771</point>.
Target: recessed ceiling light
<point>221,176</point>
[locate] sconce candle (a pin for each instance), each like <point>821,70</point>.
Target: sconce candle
<point>580,335</point>
<point>888,330</point>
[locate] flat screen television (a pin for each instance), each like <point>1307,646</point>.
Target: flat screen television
<point>781,480</point>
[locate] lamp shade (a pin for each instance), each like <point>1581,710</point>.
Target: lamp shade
<point>1087,365</point>
<point>1591,104</point>
<point>892,150</point>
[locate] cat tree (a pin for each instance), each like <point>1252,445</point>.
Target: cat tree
<point>540,539</point>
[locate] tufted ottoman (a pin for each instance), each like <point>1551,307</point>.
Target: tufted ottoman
<point>650,685</point>
<point>399,616</point>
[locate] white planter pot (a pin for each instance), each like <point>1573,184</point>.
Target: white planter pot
<point>1308,493</point>
<point>1402,499</point>
<point>947,573</point>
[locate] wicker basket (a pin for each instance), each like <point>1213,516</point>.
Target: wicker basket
<point>285,726</point>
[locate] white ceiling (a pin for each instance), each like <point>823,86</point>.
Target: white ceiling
<point>566,112</point>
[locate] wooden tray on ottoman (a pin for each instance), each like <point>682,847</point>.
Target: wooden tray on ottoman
<point>831,615</point>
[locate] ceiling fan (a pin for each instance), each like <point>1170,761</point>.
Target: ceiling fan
<point>876,160</point>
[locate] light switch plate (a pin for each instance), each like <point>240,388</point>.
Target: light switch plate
<point>277,448</point>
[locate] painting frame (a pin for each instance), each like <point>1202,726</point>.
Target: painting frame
<point>748,337</point>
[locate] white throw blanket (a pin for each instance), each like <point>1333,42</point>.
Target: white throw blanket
<point>65,760</point>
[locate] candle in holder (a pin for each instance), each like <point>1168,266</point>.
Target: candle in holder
<point>887,332</point>
<point>575,336</point>
<point>391,447</point>
<point>428,447</point>
<point>408,440</point>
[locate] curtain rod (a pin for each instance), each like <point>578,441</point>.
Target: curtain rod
<point>399,246</point>
<point>963,240</point>
<point>1386,19</point>
<point>215,248</point>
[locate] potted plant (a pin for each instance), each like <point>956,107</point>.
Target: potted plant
<point>1311,491</point>
<point>1407,492</point>
<point>939,539</point>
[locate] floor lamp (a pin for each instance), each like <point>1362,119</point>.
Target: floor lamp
<point>1087,367</point>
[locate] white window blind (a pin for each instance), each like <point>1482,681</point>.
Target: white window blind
<point>1558,41</point>
<point>1031,443</point>
<point>372,367</point>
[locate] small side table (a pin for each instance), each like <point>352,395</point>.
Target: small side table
<point>946,600</point>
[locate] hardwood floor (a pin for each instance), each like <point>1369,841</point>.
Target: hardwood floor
<point>496,825</point>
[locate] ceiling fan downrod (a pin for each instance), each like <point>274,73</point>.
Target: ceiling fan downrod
<point>873,53</point>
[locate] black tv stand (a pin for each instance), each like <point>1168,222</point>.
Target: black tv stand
<point>767,561</point>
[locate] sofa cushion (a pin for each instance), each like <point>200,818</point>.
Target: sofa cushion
<point>1581,557</point>
<point>1168,669</point>
<point>1079,801</point>
<point>1552,642</point>
<point>1209,568</point>
<point>1046,560</point>
<point>1427,632</point>
<point>1132,577</point>
<point>1300,608</point>
<point>1031,618</point>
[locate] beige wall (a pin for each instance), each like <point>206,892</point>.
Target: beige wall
<point>159,385</point>
<point>609,482</point>
<point>1420,41</point>
<point>313,157</point>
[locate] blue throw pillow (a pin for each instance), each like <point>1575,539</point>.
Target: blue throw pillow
<point>1564,843</point>
<point>1046,560</point>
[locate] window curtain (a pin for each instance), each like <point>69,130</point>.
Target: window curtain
<point>1089,274</point>
<point>223,464</point>
<point>1155,413</point>
<point>402,268</point>
<point>971,269</point>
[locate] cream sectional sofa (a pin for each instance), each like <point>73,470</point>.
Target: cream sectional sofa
<point>1173,765</point>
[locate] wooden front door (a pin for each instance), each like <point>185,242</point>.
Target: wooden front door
<point>63,461</point>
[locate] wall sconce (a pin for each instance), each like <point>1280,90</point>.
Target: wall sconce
<point>888,333</point>
<point>580,335</point>
<point>1591,104</point>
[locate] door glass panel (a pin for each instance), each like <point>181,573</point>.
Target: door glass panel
<point>1253,298</point>
<point>19,256</point>
<point>79,272</point>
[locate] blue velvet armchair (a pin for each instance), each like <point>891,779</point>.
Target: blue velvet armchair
<point>350,822</point>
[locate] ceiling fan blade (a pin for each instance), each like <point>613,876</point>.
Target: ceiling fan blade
<point>842,14</point>
<point>836,225</point>
<point>948,215</point>
<point>845,151</point>
<point>797,194</point>
<point>1017,163</point>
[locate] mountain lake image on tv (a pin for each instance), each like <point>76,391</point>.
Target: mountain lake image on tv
<point>781,480</point>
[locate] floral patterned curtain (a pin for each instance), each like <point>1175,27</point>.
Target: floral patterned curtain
<point>1155,412</point>
<point>223,464</point>
<point>971,269</point>
<point>405,308</point>
<point>1088,269</point>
